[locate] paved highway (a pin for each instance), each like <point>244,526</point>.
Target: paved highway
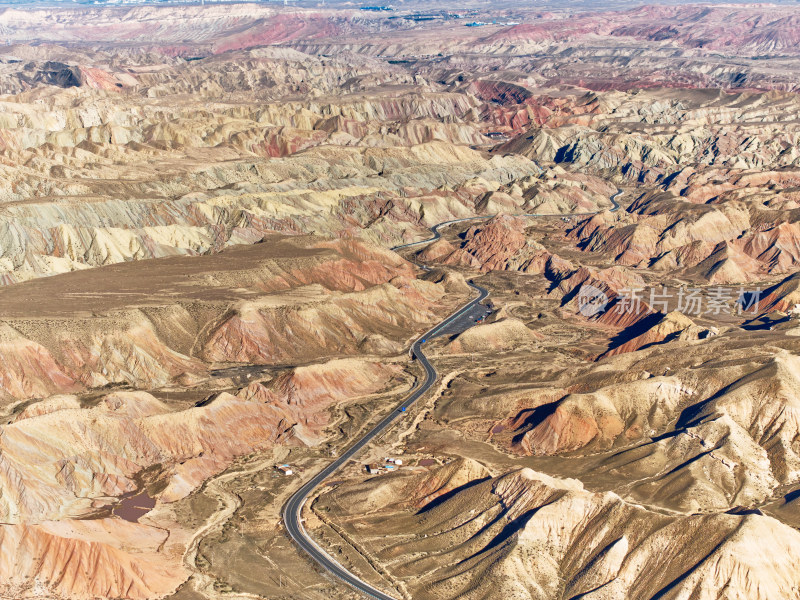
<point>462,319</point>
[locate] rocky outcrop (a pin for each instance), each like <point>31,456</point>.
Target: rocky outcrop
<point>503,335</point>
<point>688,436</point>
<point>315,324</point>
<point>108,558</point>
<point>418,489</point>
<point>528,533</point>
<point>611,415</point>
<point>672,326</point>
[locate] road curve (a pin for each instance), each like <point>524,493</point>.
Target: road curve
<point>294,506</point>
<point>437,235</point>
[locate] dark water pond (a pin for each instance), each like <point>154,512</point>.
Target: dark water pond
<point>133,507</point>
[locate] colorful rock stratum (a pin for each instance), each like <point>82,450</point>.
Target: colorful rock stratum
<point>207,294</point>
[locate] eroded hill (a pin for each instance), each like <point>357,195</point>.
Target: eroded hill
<point>200,306</point>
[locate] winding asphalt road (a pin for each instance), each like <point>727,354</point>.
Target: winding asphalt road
<point>294,507</point>
<point>437,235</point>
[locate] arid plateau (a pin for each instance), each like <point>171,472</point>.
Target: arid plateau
<point>430,301</point>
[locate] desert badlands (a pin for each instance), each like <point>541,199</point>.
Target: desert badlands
<point>332,300</point>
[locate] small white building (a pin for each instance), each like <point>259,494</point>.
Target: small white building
<point>285,469</point>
